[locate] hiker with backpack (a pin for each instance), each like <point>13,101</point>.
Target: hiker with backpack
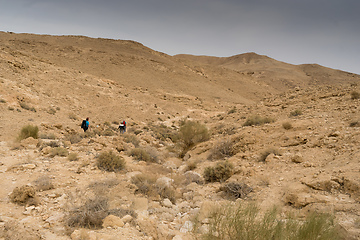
<point>122,127</point>
<point>85,124</point>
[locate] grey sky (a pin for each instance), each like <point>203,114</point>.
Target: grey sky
<point>326,32</point>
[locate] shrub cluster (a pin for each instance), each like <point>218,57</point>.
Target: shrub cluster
<point>110,162</point>
<point>219,173</point>
<point>355,95</point>
<point>59,151</point>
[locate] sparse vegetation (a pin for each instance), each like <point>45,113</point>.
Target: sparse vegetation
<point>219,173</point>
<point>110,162</point>
<point>73,138</point>
<point>163,132</point>
<point>47,136</point>
<point>2,100</point>
<point>244,221</point>
<point>131,138</point>
<point>28,131</point>
<point>257,120</point>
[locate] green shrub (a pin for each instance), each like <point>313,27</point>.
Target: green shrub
<point>28,131</point>
<point>244,221</point>
<point>110,162</point>
<point>355,95</point>
<point>257,120</point>
<point>221,172</point>
<point>295,113</point>
<point>59,151</point>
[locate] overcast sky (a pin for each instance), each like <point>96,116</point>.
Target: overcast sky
<point>326,32</point>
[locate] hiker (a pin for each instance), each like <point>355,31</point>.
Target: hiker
<point>85,124</point>
<point>122,127</point>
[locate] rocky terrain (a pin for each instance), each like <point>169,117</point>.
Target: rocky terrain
<point>304,159</point>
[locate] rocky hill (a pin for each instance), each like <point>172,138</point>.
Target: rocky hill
<point>290,133</point>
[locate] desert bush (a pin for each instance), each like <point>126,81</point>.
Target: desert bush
<point>43,183</point>
<point>234,190</point>
<point>355,95</point>
<point>145,154</point>
<point>295,113</point>
<point>131,138</point>
<point>219,173</point>
<point>28,131</point>
<point>73,157</point>
<point>287,125</point>
<point>267,152</point>
<point>167,192</point>
<point>110,162</point>
<point>90,214</point>
<point>244,221</point>
<point>24,195</point>
<point>190,134</point>
<point>223,149</point>
<point>59,151</point>
<point>2,101</point>
<point>257,120</point>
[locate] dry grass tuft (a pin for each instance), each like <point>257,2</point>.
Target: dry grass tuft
<point>43,183</point>
<point>234,190</point>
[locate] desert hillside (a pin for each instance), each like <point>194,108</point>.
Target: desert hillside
<point>202,133</point>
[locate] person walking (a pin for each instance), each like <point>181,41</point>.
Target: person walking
<point>85,124</point>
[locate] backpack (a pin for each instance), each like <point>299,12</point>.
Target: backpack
<point>83,124</point>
